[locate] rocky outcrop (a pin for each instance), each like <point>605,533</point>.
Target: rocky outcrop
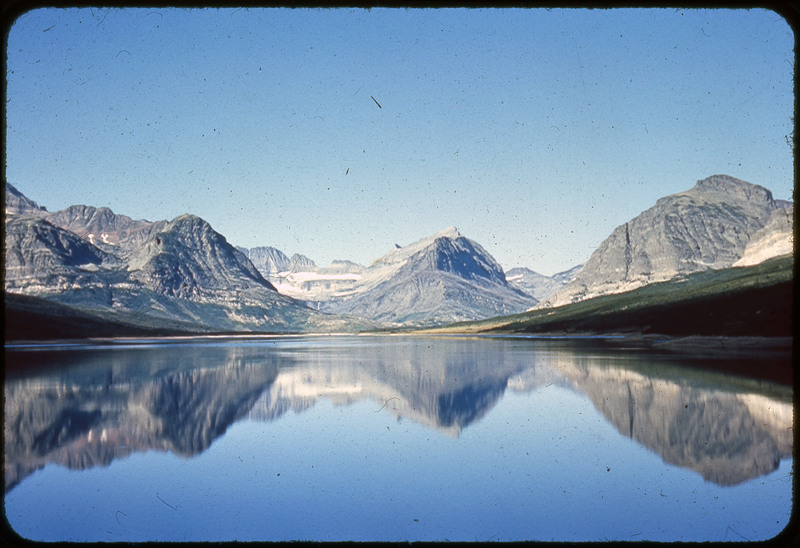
<point>706,227</point>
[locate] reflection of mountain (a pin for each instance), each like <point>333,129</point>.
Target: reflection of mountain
<point>445,385</point>
<point>726,436</point>
<point>112,407</point>
<point>86,407</point>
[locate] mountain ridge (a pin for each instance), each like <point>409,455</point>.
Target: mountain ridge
<point>128,271</point>
<point>184,271</point>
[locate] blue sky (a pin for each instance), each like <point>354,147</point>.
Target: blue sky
<point>535,132</point>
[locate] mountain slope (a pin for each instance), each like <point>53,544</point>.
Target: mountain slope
<point>188,259</point>
<point>18,204</point>
<point>117,234</point>
<point>743,301</point>
<point>442,278</point>
<point>706,227</point>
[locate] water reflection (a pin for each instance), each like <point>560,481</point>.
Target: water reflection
<point>107,404</point>
<point>90,407</point>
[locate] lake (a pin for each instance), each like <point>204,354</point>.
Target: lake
<point>391,438</point>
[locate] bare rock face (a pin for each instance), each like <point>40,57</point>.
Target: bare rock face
<point>706,227</point>
<point>105,229</point>
<point>270,261</point>
<point>19,204</point>
<point>188,258</point>
<point>774,240</point>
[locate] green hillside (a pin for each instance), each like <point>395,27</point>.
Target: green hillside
<point>746,301</point>
<point>32,318</point>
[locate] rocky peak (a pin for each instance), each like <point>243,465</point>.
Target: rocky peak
<point>189,258</point>
<point>18,204</point>
<point>459,256</point>
<point>733,188</point>
<point>302,263</point>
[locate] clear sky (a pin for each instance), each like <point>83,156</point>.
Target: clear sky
<point>535,132</point>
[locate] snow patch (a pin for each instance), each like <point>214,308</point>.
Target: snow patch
<point>300,277</point>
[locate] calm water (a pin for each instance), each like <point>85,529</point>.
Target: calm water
<point>389,438</point>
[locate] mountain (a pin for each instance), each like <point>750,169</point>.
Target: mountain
<point>300,278</point>
<point>144,274</point>
<point>538,285</point>
<point>705,228</point>
<point>752,301</point>
<point>188,259</point>
<point>775,239</point>
<point>268,260</point>
<point>101,227</point>
<point>18,204</point>
<point>439,279</point>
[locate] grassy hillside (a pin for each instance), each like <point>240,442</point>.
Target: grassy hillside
<point>31,318</point>
<point>748,301</point>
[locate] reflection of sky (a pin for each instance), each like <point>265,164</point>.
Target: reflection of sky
<point>535,132</point>
<point>539,465</point>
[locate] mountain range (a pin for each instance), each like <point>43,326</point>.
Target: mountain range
<point>182,276</point>
<point>180,273</point>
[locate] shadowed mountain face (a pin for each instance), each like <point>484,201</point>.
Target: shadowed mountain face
<point>86,407</point>
<point>706,227</point>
